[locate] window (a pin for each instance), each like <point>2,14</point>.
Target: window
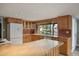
<point>48,29</point>
<point>45,29</point>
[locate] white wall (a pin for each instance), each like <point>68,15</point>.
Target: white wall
<point>74,33</point>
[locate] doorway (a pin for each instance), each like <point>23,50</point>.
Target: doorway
<point>1,29</point>
<point>77,33</point>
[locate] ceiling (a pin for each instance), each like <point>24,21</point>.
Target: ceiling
<point>39,11</point>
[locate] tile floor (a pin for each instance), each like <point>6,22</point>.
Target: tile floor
<point>76,52</point>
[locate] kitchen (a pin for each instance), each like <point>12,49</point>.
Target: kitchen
<point>46,37</point>
<point>47,30</point>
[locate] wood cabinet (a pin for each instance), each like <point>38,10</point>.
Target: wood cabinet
<point>26,38</point>
<point>65,27</point>
<point>66,47</point>
<point>63,49</point>
<point>64,22</point>
<point>13,20</point>
<point>53,52</point>
<point>29,27</point>
<point>24,24</point>
<point>28,31</point>
<point>29,24</point>
<point>36,37</point>
<point>30,37</point>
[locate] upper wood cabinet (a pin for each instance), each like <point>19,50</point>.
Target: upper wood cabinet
<point>13,20</point>
<point>29,24</point>
<point>29,27</point>
<point>64,22</point>
<point>24,24</point>
<point>54,20</point>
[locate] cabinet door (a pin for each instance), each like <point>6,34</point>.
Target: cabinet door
<point>69,46</point>
<point>63,48</point>
<point>62,22</point>
<point>36,37</point>
<point>69,22</point>
<point>27,38</point>
<point>66,47</point>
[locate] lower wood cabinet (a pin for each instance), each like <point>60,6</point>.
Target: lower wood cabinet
<point>36,37</point>
<point>30,37</point>
<point>63,49</point>
<point>26,38</point>
<point>66,47</point>
<point>53,52</point>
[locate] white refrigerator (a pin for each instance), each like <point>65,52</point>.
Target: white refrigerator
<point>15,33</point>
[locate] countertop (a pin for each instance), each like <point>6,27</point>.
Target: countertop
<point>42,35</point>
<point>23,50</point>
<point>62,36</point>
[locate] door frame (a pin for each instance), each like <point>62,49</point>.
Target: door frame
<point>1,18</point>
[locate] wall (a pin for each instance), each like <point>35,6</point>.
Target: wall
<point>74,33</point>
